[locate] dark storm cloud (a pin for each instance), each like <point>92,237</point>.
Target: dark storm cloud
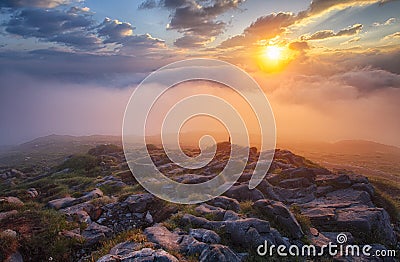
<point>66,67</point>
<point>71,28</point>
<point>197,20</point>
<point>33,3</point>
<point>324,34</point>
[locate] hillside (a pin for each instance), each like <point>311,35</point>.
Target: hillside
<point>90,208</point>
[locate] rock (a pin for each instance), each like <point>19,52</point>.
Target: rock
<point>216,213</point>
<point>243,193</point>
<point>230,216</point>
<point>338,181</point>
<point>61,202</point>
<point>111,181</point>
<point>16,257</point>
<point>15,201</point>
<point>124,248</point>
<point>191,179</point>
<point>75,234</point>
<point>8,233</point>
<point>95,233</point>
<point>323,190</point>
<point>109,258</point>
<point>295,195</point>
<point>95,193</point>
<point>314,231</point>
<point>148,218</point>
<point>362,222</point>
<point>320,216</point>
<point>364,187</point>
<point>225,203</point>
<point>218,253</point>
<point>191,246</point>
<point>281,215</point>
<point>148,254</point>
<point>139,203</point>
<point>32,192</point>
<point>134,212</point>
<point>295,182</point>
<point>163,237</point>
<point>7,214</point>
<point>204,235</point>
<point>248,233</point>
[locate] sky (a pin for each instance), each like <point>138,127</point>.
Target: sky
<point>330,68</point>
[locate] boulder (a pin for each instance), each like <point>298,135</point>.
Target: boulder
<point>205,235</point>
<point>225,203</point>
<point>339,181</point>
<point>7,214</point>
<point>95,233</point>
<point>216,213</point>
<point>124,248</point>
<point>243,193</point>
<point>148,254</point>
<point>15,201</point>
<point>247,233</point>
<point>32,192</point>
<point>95,193</point>
<point>163,237</point>
<point>280,215</point>
<point>109,258</point>
<point>62,202</point>
<point>219,253</point>
<point>297,182</point>
<point>139,203</point>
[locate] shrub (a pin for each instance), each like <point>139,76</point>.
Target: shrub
<point>82,162</point>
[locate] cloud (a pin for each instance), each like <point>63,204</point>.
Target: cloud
<point>265,27</point>
<point>392,36</point>
<point>114,30</point>
<point>196,20</point>
<point>324,34</point>
<point>34,3</point>
<point>69,28</point>
<point>114,71</point>
<point>390,21</point>
<point>367,79</point>
<point>299,46</point>
<point>352,40</point>
<point>319,7</point>
<point>76,28</point>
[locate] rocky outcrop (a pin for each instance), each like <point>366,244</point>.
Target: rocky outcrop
<point>280,215</point>
<point>70,201</point>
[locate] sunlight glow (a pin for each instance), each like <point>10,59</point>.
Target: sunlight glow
<point>273,52</point>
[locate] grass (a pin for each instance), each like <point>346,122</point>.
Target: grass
<point>246,207</point>
<point>387,196</point>
<point>134,235</point>
<point>39,233</point>
<point>304,221</point>
<point>8,246</point>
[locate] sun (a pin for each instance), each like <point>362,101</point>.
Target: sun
<point>273,53</point>
<point>274,58</point>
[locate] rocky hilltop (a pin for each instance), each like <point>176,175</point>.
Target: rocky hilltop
<point>90,208</point>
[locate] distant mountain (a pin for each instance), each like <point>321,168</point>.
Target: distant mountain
<point>343,146</point>
<point>48,150</point>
